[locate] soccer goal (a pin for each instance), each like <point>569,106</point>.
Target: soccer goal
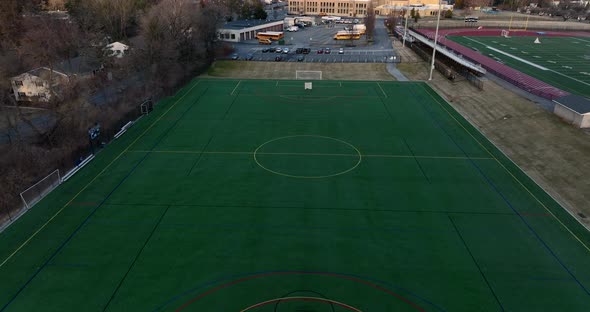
<point>505,33</point>
<point>308,74</point>
<point>147,106</point>
<point>35,193</point>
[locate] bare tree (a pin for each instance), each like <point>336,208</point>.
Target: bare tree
<point>177,40</point>
<point>370,21</point>
<point>111,16</point>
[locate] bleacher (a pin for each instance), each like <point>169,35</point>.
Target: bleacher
<point>517,78</point>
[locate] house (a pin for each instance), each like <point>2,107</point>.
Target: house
<point>37,85</point>
<point>116,49</point>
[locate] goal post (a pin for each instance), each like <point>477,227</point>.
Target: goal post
<point>308,74</point>
<point>35,193</point>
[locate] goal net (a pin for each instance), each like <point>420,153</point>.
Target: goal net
<point>35,193</point>
<point>505,33</point>
<point>308,74</point>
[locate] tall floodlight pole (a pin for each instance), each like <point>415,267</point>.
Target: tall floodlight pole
<point>435,39</point>
<point>405,27</point>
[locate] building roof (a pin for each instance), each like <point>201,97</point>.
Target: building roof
<point>117,49</point>
<point>578,104</point>
<point>41,72</point>
<point>240,24</point>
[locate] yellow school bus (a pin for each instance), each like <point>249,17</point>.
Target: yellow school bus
<point>272,35</point>
<point>347,35</point>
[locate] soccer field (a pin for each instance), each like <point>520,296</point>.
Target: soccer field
<point>244,195</point>
<point>563,62</point>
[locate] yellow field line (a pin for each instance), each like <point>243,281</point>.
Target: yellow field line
<point>91,181</point>
<point>318,299</point>
<point>312,154</point>
<point>512,175</point>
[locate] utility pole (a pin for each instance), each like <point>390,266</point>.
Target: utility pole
<point>435,39</point>
<point>405,27</point>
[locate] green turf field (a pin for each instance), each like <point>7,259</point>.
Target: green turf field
<point>563,62</point>
<point>262,196</point>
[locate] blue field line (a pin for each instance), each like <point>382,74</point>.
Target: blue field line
<point>39,269</point>
<point>303,228</point>
<point>551,279</point>
<point>227,278</point>
<point>233,229</point>
<point>493,185</point>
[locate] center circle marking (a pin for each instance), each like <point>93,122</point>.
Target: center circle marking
<point>358,154</point>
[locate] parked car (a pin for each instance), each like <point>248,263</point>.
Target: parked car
<point>341,51</point>
<point>285,50</point>
<point>278,50</point>
<point>306,50</point>
<point>327,50</point>
<point>278,58</point>
<point>300,58</point>
<point>235,56</point>
<point>299,50</point>
<point>321,51</point>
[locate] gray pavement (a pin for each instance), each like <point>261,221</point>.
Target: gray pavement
<point>396,73</point>
<point>320,37</point>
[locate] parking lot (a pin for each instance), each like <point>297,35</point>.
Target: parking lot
<point>318,38</point>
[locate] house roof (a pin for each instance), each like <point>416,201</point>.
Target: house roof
<point>41,72</point>
<point>117,49</point>
<point>578,104</point>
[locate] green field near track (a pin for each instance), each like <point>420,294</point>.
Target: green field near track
<point>563,62</point>
<point>245,195</point>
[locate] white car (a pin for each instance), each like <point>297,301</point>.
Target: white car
<point>285,50</point>
<point>293,28</point>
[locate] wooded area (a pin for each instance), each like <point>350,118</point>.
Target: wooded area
<point>170,41</point>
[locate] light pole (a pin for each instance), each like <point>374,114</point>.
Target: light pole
<point>435,39</point>
<point>405,27</point>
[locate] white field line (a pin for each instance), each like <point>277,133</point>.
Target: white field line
<point>530,63</point>
<point>234,90</point>
<point>518,58</point>
<point>382,89</point>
